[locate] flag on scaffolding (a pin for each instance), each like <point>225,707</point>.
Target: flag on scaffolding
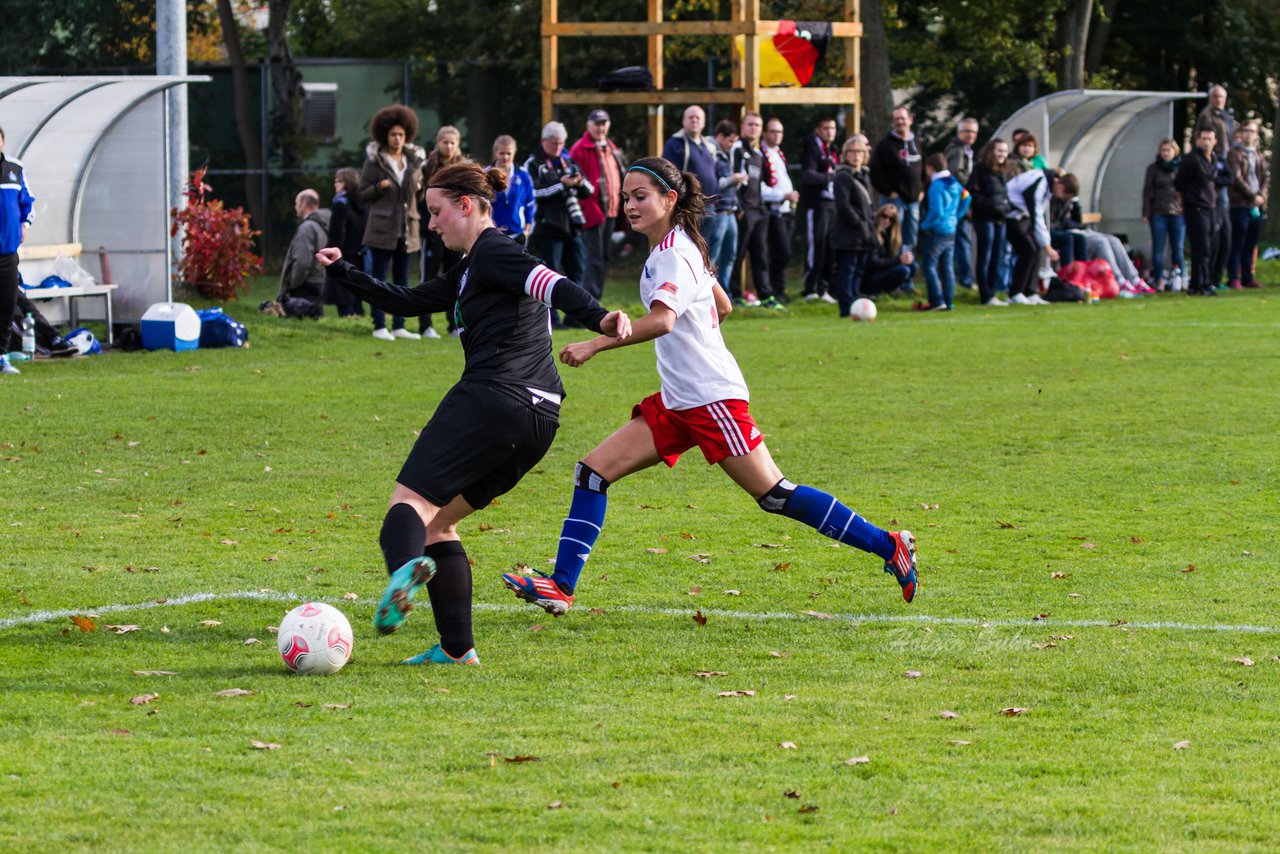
<point>793,54</point>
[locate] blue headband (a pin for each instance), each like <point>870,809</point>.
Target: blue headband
<point>656,175</point>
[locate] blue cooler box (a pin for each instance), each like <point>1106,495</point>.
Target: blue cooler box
<point>170,326</point>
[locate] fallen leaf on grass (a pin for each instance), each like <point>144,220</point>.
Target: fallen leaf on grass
<point>773,653</point>
<point>1119,623</point>
<point>1003,524</point>
<point>248,641</point>
<point>123,630</point>
<point>791,793</point>
<point>1136,540</point>
<point>911,674</point>
<point>783,567</point>
<point>1039,617</point>
<point>1043,645</point>
<point>948,714</point>
<point>786,698</point>
<point>657,551</point>
<point>768,545</point>
<point>1247,662</point>
<point>338,706</point>
<point>733,592</point>
<point>1191,567</point>
<point>596,611</point>
<point>270,558</point>
<point>521,759</point>
<point>232,692</point>
<point>555,805</point>
<point>230,542</point>
<point>685,535</point>
<point>808,808</point>
<point>699,619</point>
<point>83,623</point>
<point>817,615</point>
<point>164,630</point>
<point>1057,575</point>
<point>143,699</point>
<point>123,732</point>
<point>1013,711</point>
<point>1088,545</point>
<point>707,674</point>
<point>350,597</point>
<point>1062,637</point>
<point>1181,745</point>
<point>924,506</point>
<point>536,627</point>
<point>302,705</point>
<point>959,742</point>
<point>701,557</point>
<point>695,590</point>
<point>857,760</point>
<point>1075,596</point>
<point>788,745</point>
<point>736,694</point>
<point>154,673</point>
<point>209,624</point>
<point>264,745</point>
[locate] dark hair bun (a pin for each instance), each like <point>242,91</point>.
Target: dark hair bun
<point>497,179</point>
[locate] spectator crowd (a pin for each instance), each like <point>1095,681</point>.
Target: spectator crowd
<point>869,219</point>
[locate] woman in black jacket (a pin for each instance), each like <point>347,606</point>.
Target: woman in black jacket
<point>1162,210</point>
<point>346,232</point>
<point>853,232</point>
<point>990,206</point>
<point>888,262</point>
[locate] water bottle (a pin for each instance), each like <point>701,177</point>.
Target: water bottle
<point>29,336</point>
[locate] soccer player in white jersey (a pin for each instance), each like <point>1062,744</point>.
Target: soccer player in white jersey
<point>702,403</point>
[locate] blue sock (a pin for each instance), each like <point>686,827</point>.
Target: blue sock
<point>832,519</point>
<point>581,527</point>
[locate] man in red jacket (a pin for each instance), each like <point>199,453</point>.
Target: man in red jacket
<point>602,166</point>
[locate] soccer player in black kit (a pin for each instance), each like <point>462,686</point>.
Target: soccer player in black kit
<point>496,423</point>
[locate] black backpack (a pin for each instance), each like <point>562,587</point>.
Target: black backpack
<point>631,77</point>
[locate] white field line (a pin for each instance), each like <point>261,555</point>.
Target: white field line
<point>891,619</point>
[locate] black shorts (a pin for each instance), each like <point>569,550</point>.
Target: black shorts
<point>479,443</point>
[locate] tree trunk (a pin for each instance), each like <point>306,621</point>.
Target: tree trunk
<point>877,89</point>
<point>1098,38</point>
<point>286,88</point>
<point>1073,40</point>
<point>244,118</point>
<point>1271,229</point>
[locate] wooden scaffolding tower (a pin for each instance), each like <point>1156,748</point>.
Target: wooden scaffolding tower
<point>746,90</point>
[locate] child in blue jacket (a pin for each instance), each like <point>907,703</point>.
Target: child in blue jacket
<point>947,203</point>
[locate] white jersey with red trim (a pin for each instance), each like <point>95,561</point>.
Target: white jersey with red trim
<point>694,364</point>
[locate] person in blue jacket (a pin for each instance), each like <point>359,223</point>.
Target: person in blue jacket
<point>15,218</point>
<point>947,203</point>
<point>513,207</point>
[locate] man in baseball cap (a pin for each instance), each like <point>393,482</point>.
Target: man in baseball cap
<point>602,166</point>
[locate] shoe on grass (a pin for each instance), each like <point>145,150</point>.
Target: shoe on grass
<point>829,299</point>
<point>772,302</point>
<point>397,600</point>
<point>405,333</point>
<point>383,334</point>
<point>6,367</point>
<point>430,332</point>
<point>995,301</point>
<point>541,591</point>
<point>902,566</point>
<point>437,655</point>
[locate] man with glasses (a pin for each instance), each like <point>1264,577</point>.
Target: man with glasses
<point>960,161</point>
<point>779,197</point>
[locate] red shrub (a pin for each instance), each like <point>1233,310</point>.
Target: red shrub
<point>217,244</point>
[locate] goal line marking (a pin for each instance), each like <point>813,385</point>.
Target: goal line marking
<point>890,619</point>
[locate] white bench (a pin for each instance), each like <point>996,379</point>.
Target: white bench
<point>69,296</point>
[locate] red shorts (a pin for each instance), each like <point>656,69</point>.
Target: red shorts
<point>720,430</point>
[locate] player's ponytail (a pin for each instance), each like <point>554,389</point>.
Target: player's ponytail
<point>691,205</point>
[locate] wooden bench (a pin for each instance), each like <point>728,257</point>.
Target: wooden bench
<point>70,296</point>
<point>1091,218</point>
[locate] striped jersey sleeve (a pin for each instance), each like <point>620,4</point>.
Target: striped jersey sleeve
<point>541,282</point>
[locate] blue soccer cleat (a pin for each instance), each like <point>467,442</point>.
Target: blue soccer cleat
<point>902,566</point>
<point>397,600</point>
<point>541,591</point>
<point>437,655</point>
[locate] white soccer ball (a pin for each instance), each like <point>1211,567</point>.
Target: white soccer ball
<point>314,638</point>
<point>863,309</point>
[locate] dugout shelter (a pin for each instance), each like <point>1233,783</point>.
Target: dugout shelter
<point>1107,138</point>
<point>95,151</point>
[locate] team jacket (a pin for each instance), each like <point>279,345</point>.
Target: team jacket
<point>15,204</point>
<point>499,295</point>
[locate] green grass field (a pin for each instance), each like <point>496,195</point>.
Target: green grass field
<point>1101,540</point>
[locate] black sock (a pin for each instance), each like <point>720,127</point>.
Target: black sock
<point>403,536</point>
<point>450,592</point>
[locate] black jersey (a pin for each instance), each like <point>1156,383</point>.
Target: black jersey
<point>499,296</point>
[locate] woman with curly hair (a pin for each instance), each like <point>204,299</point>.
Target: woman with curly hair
<point>497,421</point>
<point>391,187</point>
<point>702,402</point>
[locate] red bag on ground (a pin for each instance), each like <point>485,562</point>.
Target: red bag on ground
<point>1101,280</point>
<point>1076,273</point>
